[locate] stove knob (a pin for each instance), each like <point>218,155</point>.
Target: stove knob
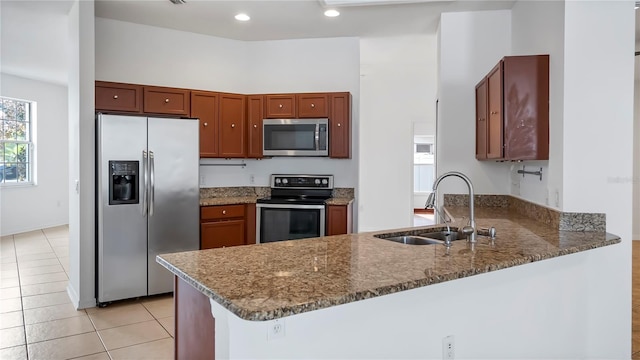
<point>317,181</point>
<point>325,181</point>
<point>277,180</point>
<point>285,181</point>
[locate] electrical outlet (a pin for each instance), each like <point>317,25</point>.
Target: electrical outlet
<point>557,197</point>
<point>448,348</point>
<point>252,179</point>
<point>202,179</point>
<point>276,329</point>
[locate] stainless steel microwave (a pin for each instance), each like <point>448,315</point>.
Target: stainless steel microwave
<point>295,137</point>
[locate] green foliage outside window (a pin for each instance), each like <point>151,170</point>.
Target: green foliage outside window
<point>15,141</point>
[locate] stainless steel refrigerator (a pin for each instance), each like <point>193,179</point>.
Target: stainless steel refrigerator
<point>147,201</point>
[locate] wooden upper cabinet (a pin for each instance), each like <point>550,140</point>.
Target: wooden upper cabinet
<point>481,120</point>
<point>526,107</point>
<point>204,106</point>
<point>255,106</point>
<point>313,105</point>
<point>232,126</point>
<point>495,140</point>
<point>118,97</point>
<point>170,101</point>
<point>340,126</point>
<point>517,101</point>
<point>280,106</point>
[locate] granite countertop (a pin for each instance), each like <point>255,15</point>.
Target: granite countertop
<point>249,195</point>
<point>268,281</point>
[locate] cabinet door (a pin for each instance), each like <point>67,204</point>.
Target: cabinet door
<point>495,139</point>
<point>340,126</point>
<point>204,106</point>
<point>161,100</point>
<point>222,233</point>
<point>232,126</point>
<point>338,219</point>
<point>526,107</point>
<point>254,119</point>
<point>481,120</point>
<point>118,97</point>
<point>280,106</point>
<point>313,106</point>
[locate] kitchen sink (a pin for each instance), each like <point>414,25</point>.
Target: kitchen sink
<point>442,235</point>
<point>414,240</point>
<point>425,238</point>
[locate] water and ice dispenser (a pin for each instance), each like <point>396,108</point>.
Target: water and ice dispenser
<point>123,182</point>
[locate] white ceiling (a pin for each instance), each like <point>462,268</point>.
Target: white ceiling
<point>290,19</point>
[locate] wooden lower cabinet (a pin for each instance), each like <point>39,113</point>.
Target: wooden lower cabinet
<point>339,219</point>
<point>222,233</point>
<point>194,323</point>
<point>227,225</point>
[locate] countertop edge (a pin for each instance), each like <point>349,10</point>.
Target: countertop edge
<point>375,292</point>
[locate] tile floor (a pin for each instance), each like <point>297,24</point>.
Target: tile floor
<point>37,320</point>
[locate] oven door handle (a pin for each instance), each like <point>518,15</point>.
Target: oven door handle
<point>317,135</point>
<point>290,206</point>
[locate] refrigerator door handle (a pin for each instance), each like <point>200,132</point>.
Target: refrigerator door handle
<point>145,181</point>
<point>152,189</point>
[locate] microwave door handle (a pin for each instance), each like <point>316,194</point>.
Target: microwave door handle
<point>317,134</point>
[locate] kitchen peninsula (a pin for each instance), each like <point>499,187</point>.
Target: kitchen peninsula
<point>359,296</point>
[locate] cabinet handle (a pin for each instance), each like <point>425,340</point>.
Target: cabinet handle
<point>255,126</point>
<point>224,212</point>
<point>280,106</point>
<point>339,125</point>
<point>233,125</point>
<point>205,124</point>
<point>166,100</point>
<point>115,97</point>
<point>313,105</point>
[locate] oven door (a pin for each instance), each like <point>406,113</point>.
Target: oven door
<point>277,222</point>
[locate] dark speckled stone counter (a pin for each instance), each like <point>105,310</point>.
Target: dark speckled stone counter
<point>269,281</point>
<point>249,195</point>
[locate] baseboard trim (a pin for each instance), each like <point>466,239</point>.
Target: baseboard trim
<point>75,299</point>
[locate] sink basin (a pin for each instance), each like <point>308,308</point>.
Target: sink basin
<point>425,238</point>
<point>414,240</point>
<point>442,235</point>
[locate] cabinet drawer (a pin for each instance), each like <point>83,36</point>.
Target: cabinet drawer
<point>159,100</point>
<point>281,106</point>
<point>313,105</point>
<point>118,97</point>
<point>221,212</point>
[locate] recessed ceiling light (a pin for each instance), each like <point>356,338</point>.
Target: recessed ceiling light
<point>331,13</point>
<point>178,2</point>
<point>242,17</point>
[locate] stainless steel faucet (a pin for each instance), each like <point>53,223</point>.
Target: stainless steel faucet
<point>470,230</point>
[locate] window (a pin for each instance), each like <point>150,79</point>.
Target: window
<point>423,167</point>
<point>16,141</point>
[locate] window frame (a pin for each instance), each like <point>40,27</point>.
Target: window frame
<point>30,118</point>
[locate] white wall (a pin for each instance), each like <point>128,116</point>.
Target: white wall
<point>81,288</point>
<point>25,208</point>
<point>397,89</point>
<point>128,52</point>
<point>636,154</point>
<point>598,109</point>
<point>535,27</point>
<point>471,44</point>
